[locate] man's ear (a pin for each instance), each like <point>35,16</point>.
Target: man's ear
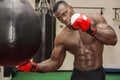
<point>71,7</point>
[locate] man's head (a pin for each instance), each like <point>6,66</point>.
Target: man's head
<point>63,12</point>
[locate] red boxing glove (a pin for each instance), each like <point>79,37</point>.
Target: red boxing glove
<point>28,67</point>
<point>79,21</point>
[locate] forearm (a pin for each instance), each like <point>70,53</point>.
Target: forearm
<point>45,66</point>
<point>48,65</point>
<point>105,34</point>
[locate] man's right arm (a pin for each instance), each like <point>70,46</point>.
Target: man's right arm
<point>55,61</point>
<point>52,64</point>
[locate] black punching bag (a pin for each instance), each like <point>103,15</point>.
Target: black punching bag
<point>20,32</point>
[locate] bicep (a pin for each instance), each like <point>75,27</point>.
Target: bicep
<point>58,54</point>
<point>105,33</point>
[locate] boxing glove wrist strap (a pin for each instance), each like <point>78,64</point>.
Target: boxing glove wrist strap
<point>34,68</point>
<point>92,30</point>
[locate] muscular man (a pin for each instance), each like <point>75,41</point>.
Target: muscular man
<point>84,37</point>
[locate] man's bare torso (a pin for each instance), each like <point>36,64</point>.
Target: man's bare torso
<point>85,48</point>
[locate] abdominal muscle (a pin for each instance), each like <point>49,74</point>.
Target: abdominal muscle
<point>87,59</point>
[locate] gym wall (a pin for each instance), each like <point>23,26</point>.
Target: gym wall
<point>111,53</point>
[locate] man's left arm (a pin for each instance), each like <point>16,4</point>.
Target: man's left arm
<point>104,32</point>
<point>96,26</point>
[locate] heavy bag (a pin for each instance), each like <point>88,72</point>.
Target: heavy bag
<point>20,32</point>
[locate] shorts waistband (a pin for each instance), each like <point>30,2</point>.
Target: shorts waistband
<point>100,68</point>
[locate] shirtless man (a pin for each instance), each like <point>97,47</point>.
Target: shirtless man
<point>84,37</point>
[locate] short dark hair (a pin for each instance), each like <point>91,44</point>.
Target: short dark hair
<point>56,5</point>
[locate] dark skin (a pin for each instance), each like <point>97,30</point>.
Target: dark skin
<point>87,49</point>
